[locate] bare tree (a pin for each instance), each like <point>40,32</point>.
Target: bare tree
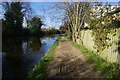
<point>75,16</point>
<point>72,14</point>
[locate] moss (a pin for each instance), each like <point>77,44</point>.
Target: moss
<point>40,70</point>
<point>109,70</point>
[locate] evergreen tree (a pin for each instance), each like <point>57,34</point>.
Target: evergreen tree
<point>13,18</point>
<point>36,24</point>
<point>18,15</point>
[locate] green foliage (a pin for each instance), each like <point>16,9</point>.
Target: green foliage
<point>63,29</point>
<point>101,25</point>
<point>13,18</point>
<point>68,37</point>
<point>108,70</point>
<point>36,24</point>
<point>101,38</point>
<point>40,70</point>
<point>12,24</point>
<point>51,31</point>
<point>25,31</point>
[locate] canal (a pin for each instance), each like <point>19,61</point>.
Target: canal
<point>20,54</point>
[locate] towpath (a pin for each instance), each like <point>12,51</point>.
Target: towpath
<point>69,62</point>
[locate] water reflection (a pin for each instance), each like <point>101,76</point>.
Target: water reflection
<point>34,44</point>
<point>19,55</point>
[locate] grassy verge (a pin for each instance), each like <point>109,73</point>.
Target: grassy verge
<point>109,70</point>
<point>67,36</point>
<point>40,70</point>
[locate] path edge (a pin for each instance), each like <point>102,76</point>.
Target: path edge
<point>40,69</point>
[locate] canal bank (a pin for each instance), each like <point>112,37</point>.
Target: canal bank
<point>40,70</point>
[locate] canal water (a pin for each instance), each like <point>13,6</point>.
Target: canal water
<point>20,54</point>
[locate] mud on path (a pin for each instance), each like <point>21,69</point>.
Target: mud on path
<point>69,62</point>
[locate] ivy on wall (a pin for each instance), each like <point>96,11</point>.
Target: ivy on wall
<point>102,25</point>
<point>101,38</point>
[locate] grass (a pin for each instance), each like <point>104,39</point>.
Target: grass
<point>107,69</point>
<point>67,36</point>
<point>40,70</point>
